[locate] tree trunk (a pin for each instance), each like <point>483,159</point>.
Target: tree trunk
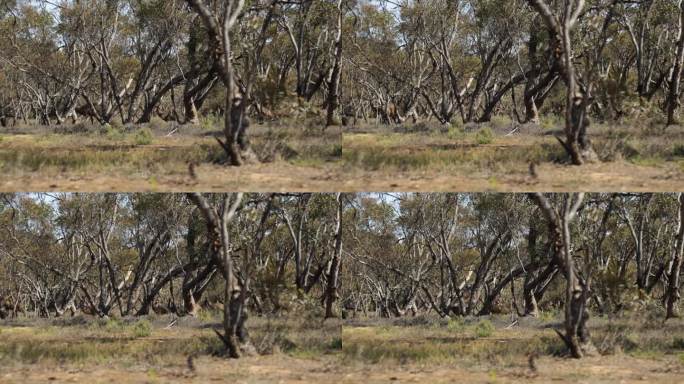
<point>334,84</point>
<point>220,45</point>
<point>672,294</point>
<point>218,222</point>
<point>333,274</point>
<point>675,79</point>
<point>576,143</point>
<point>577,292</point>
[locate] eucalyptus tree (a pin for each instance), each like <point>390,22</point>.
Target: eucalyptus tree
<point>559,217</point>
<point>218,22</point>
<point>561,19</point>
<point>219,217</point>
<point>672,294</point>
<point>673,98</point>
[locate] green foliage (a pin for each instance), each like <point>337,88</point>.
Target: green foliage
<point>206,316</point>
<point>111,324</point>
<point>113,132</point>
<point>336,343</point>
<point>456,131</point>
<point>484,328</point>
<point>144,136</point>
<point>678,149</point>
<point>678,343</point>
<point>484,136</point>
<point>456,325</point>
<point>142,328</point>
<point>210,122</point>
<point>549,122</point>
<point>548,315</point>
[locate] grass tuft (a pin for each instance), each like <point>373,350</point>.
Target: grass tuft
<point>484,328</point>
<point>143,137</point>
<point>485,136</point>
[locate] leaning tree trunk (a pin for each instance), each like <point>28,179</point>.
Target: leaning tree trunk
<point>672,295</point>
<point>675,79</point>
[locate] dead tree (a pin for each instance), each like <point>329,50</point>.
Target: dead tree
<point>577,292</point>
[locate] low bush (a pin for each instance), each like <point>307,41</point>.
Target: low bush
<point>456,325</point>
<point>678,149</point>
<point>113,132</point>
<point>142,328</point>
<point>144,137</point>
<point>485,136</point>
<point>484,328</point>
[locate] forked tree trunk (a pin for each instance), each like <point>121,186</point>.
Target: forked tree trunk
<point>576,143</point>
<point>672,295</point>
<point>220,47</point>
<point>577,292</point>
<point>218,221</point>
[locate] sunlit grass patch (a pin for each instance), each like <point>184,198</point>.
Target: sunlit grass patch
<point>145,341</point>
<point>419,152</point>
<point>145,150</point>
<point>453,344</point>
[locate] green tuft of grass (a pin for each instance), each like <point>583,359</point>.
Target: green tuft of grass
<point>113,132</point>
<point>142,328</point>
<point>143,137</point>
<point>484,328</point>
<point>484,136</point>
<point>456,325</point>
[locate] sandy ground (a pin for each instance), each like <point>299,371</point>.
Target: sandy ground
<point>268,369</point>
<point>283,177</point>
<point>601,177</point>
<point>274,177</point>
<point>283,369</point>
<point>614,369</point>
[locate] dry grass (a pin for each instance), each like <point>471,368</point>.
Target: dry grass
<point>433,349</point>
<point>145,350</point>
<point>296,350</point>
<point>141,158</point>
<point>431,159</point>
